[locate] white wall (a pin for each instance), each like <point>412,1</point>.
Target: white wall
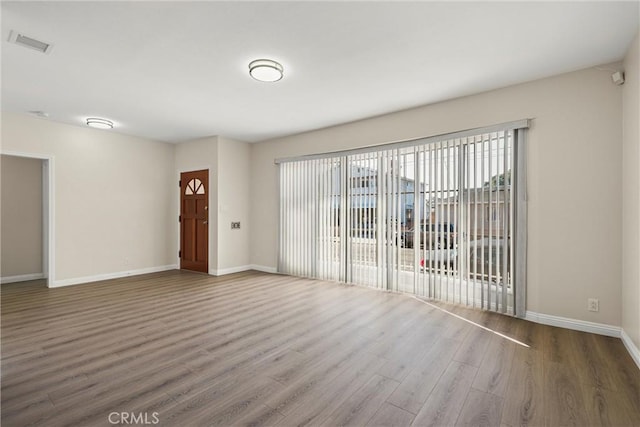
<point>195,155</point>
<point>21,233</point>
<point>574,181</point>
<point>113,197</point>
<point>631,195</point>
<point>233,205</point>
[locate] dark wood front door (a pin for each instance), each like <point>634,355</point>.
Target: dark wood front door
<point>194,221</point>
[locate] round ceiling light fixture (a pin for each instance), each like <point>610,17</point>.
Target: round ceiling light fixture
<point>265,70</point>
<point>97,123</point>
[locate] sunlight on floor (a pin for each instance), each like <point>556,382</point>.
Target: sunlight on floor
<point>471,322</point>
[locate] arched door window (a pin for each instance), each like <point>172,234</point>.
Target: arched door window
<point>194,186</point>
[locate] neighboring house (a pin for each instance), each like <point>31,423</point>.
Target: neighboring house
<point>482,211</point>
<point>363,198</point>
<point>477,214</point>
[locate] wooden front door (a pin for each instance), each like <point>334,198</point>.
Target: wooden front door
<point>194,221</point>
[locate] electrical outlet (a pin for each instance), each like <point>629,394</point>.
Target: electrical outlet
<point>593,304</point>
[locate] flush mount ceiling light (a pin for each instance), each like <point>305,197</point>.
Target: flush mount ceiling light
<point>265,70</point>
<point>97,123</point>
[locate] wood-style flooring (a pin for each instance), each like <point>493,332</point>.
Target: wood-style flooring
<point>185,349</point>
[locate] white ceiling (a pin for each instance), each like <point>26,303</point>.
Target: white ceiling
<point>175,71</point>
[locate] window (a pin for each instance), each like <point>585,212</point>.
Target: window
<point>194,186</point>
<point>353,217</point>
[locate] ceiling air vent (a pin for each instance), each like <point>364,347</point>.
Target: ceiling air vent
<point>22,40</point>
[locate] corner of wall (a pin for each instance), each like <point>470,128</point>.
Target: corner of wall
<point>631,200</point>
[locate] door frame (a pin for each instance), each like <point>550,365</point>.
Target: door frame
<point>177,214</point>
<point>48,211</point>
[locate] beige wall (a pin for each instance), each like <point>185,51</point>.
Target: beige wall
<point>233,204</point>
<point>198,155</point>
<point>631,195</point>
<point>228,162</point>
<point>117,199</point>
<point>113,196</point>
<point>574,181</point>
<point>21,232</point>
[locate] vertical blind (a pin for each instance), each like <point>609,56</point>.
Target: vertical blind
<point>441,217</point>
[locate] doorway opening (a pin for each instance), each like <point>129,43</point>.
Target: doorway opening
<point>29,178</point>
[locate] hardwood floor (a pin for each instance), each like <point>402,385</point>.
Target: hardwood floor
<point>186,349</point>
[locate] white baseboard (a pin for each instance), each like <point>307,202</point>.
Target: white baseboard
<point>576,325</point>
<point>224,271</point>
<point>631,347</point>
<point>107,276</point>
<point>21,278</point>
<point>263,268</point>
<point>230,270</point>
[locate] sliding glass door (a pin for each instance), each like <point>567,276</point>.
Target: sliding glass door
<point>436,217</point>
